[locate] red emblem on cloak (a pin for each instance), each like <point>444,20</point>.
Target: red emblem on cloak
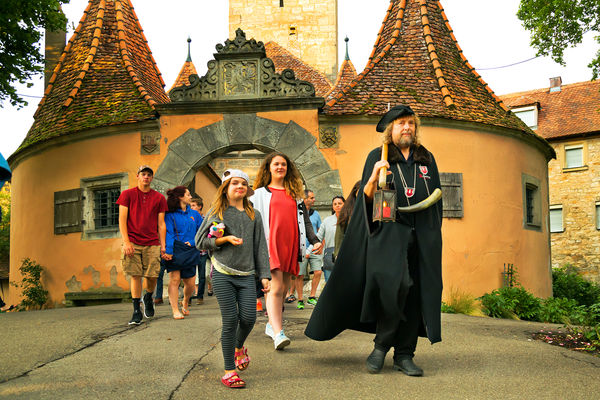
<point>410,192</point>
<point>423,169</point>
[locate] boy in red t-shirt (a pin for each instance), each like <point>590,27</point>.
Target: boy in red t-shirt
<point>142,225</point>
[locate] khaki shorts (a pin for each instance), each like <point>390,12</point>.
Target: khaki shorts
<point>145,261</point>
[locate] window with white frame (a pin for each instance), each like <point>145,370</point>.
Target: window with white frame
<point>556,218</point>
<point>528,114</point>
<point>574,156</point>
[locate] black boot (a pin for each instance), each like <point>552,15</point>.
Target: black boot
<point>405,364</point>
<point>375,360</point>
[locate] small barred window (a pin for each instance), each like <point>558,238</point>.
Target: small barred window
<point>106,210</point>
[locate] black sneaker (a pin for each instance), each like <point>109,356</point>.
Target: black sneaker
<point>136,318</point>
<point>148,305</point>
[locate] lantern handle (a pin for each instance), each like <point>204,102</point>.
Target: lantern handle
<point>383,171</point>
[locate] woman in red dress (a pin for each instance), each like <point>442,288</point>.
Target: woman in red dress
<point>278,197</point>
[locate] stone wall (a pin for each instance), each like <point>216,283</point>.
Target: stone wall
<point>314,39</point>
<point>578,191</point>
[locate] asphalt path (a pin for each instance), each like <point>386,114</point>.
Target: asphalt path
<point>90,352</point>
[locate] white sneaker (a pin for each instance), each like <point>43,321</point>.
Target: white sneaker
<point>280,341</point>
<point>269,331</point>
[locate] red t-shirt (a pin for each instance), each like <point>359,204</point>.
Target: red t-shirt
<point>142,217</point>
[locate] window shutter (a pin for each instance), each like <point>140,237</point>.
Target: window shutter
<point>452,194</point>
<point>68,211</point>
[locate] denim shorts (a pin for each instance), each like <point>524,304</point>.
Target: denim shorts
<point>187,272</point>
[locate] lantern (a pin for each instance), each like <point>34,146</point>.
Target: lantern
<point>384,205</point>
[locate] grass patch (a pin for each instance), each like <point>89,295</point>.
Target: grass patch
<point>461,302</point>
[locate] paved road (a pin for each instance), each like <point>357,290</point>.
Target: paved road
<point>90,353</point>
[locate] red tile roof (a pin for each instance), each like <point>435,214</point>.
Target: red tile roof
<point>573,111</point>
<point>188,69</point>
<point>105,76</point>
<point>283,59</point>
<point>346,75</point>
<point>417,61</point>
<point>183,79</point>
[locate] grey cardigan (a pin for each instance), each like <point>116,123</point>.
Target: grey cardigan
<point>251,257</point>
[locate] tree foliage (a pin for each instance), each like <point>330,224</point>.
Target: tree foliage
<point>558,24</point>
<point>5,223</point>
<point>21,25</point>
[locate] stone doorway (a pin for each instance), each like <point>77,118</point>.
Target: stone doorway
<point>238,132</point>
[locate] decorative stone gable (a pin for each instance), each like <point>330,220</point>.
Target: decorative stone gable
<point>241,70</point>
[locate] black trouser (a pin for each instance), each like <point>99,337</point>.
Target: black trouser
<point>403,335</point>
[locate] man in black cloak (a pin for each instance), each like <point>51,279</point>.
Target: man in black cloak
<point>387,278</point>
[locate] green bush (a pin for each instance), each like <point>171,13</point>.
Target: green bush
<point>566,283</point>
<point>508,302</point>
<point>497,305</point>
<point>585,321</point>
<point>34,294</point>
<point>556,310</point>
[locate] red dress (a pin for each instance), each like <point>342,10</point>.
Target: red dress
<point>283,232</point>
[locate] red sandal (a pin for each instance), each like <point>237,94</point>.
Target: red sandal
<point>233,380</point>
<point>242,363</point>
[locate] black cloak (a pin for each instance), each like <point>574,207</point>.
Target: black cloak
<point>371,270</point>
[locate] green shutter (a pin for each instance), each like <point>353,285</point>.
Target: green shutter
<point>68,211</point>
<point>452,194</point>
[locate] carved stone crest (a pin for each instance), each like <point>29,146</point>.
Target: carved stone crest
<point>328,136</point>
<point>150,143</point>
<point>240,78</point>
<point>241,70</point>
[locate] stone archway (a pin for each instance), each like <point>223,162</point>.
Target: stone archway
<point>196,147</point>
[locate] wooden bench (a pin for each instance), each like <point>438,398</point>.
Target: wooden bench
<point>96,297</point>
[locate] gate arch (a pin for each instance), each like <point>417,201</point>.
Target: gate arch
<point>196,147</point>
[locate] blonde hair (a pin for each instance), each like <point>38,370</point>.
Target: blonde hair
<point>292,182</point>
<point>387,133</point>
<point>221,202</point>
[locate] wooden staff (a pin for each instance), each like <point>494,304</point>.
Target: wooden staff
<point>383,171</point>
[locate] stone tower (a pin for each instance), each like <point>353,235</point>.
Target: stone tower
<point>307,28</point>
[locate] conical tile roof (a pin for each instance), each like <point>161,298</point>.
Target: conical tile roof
<point>188,69</point>
<point>417,61</point>
<point>283,59</point>
<point>346,75</point>
<point>105,76</point>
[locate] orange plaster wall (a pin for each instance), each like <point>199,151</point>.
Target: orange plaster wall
<point>32,221</point>
<point>475,247</point>
<point>59,168</point>
<point>491,232</point>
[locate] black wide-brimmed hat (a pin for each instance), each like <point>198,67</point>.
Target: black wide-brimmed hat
<point>394,113</point>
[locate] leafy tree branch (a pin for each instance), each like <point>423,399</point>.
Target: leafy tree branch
<point>558,24</point>
<point>21,25</point>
